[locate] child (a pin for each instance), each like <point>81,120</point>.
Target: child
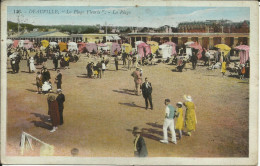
<point>179,122</point>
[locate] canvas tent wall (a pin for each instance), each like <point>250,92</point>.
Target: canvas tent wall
<point>127,48</point>
<point>143,50</point>
<point>91,47</point>
<point>165,51</point>
<point>28,44</point>
<point>15,44</point>
<point>82,47</point>
<point>243,53</point>
<point>115,47</point>
<point>72,46</point>
<point>193,45</point>
<point>102,46</point>
<point>45,43</point>
<point>9,42</point>
<point>154,46</point>
<point>63,46</point>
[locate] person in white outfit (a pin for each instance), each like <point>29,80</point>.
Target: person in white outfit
<point>169,122</point>
<point>32,67</point>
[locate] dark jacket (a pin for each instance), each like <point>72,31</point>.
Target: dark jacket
<point>59,78</point>
<point>141,148</point>
<point>147,91</point>
<point>60,99</point>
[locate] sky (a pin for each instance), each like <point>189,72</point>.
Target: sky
<point>145,16</point>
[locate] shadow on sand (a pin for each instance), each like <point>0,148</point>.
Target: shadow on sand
<point>131,105</point>
<point>43,121</point>
<point>125,91</point>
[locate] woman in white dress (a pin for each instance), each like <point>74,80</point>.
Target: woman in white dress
<point>32,67</point>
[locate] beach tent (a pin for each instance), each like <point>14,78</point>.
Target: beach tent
<point>143,49</point>
<point>243,53</point>
<point>15,44</point>
<point>72,46</point>
<point>81,47</point>
<point>127,48</point>
<point>21,43</point>
<point>102,46</point>
<point>9,42</point>
<point>63,46</point>
<point>45,43</point>
<point>165,51</point>
<point>115,46</point>
<point>137,43</point>
<point>173,47</point>
<point>53,44</point>
<point>91,46</point>
<point>193,45</point>
<point>154,46</point>
<point>224,48</point>
<point>27,44</point>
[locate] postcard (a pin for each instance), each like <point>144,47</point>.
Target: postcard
<point>129,82</point>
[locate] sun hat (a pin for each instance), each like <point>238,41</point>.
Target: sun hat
<point>179,103</point>
<point>188,98</point>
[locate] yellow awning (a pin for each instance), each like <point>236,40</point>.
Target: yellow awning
<point>127,47</point>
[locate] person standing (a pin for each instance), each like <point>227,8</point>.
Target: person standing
<point>60,99</point>
<point>13,65</point>
<point>194,60</point>
<point>179,122</point>
<point>31,66</point>
<point>124,55</point>
<point>138,81</point>
<point>53,112</point>
<point>46,76</point>
<point>169,122</point>
<point>103,66</point>
<point>190,115</point>
<point>147,93</point>
<point>39,82</point>
<point>58,79</point>
<point>129,59</point>
<point>116,62</point>
<point>55,61</point>
<point>140,149</point>
<point>223,64</point>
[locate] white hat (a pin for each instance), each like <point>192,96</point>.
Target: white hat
<point>188,98</point>
<point>180,103</point>
<point>59,90</point>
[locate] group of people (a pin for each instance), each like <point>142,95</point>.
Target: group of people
<point>55,109</point>
<point>187,122</point>
<point>98,69</point>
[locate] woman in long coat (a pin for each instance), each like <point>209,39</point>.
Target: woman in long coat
<point>190,115</point>
<point>53,112</point>
<point>179,123</point>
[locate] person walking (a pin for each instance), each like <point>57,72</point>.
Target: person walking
<point>190,115</point>
<point>147,93</point>
<point>194,60</point>
<point>58,79</point>
<point>53,112</point>
<point>179,122</point>
<point>116,62</point>
<point>60,99</point>
<point>138,81</point>
<point>140,149</point>
<point>169,122</point>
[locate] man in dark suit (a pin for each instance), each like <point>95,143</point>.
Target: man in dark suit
<point>58,79</point>
<point>60,99</point>
<point>147,93</point>
<point>140,149</point>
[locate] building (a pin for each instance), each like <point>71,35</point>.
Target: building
<point>39,36</point>
<point>95,38</point>
<point>207,40</point>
